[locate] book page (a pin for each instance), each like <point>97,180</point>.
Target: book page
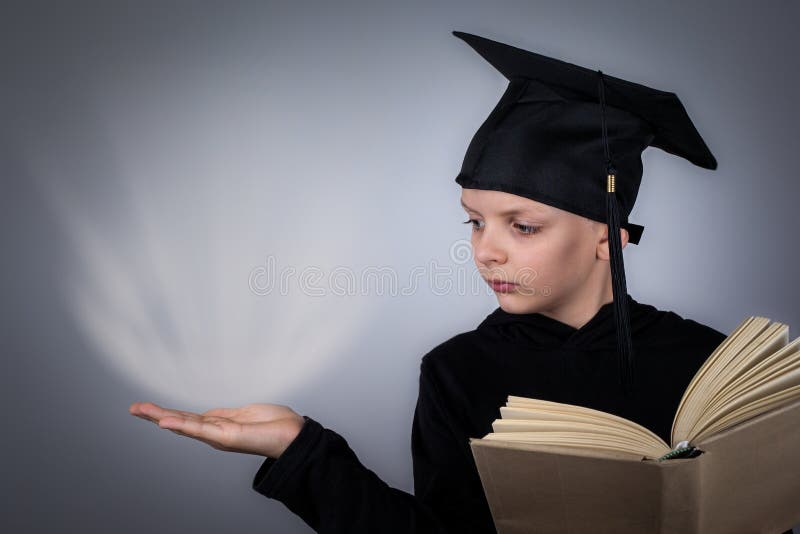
<point>532,425</point>
<point>752,342</point>
<point>777,364</point>
<point>761,399</point>
<point>536,421</point>
<point>580,440</point>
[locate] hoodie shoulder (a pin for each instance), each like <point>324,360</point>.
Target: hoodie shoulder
<point>666,327</point>
<point>451,351</point>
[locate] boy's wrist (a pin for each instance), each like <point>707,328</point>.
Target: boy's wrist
<point>294,428</point>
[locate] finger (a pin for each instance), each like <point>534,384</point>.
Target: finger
<point>245,414</point>
<point>147,409</point>
<point>146,418</point>
<point>193,428</point>
<point>222,412</point>
<point>135,409</point>
<point>157,412</point>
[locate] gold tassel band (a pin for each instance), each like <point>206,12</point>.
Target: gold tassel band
<point>610,188</point>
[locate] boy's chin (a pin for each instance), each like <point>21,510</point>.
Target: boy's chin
<point>516,303</point>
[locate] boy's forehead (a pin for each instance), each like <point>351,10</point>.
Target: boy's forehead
<point>478,199</point>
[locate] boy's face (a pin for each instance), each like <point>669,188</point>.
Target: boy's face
<point>555,257</point>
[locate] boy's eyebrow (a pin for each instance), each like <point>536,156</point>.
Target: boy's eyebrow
<point>513,211</point>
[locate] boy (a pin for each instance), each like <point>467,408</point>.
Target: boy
<point>548,182</point>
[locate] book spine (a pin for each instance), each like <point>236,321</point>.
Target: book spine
<point>681,484</point>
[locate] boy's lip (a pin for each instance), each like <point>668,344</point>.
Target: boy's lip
<point>500,285</point>
<point>500,281</point>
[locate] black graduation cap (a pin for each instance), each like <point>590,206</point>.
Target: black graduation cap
<point>572,138</point>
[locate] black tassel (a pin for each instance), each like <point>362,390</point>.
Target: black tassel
<point>623,325</point>
<point>618,286</point>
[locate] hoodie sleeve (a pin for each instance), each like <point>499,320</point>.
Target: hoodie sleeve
<point>319,478</point>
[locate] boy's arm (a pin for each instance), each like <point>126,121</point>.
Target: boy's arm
<point>319,478</point>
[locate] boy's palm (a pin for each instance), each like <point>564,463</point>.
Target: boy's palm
<point>262,429</point>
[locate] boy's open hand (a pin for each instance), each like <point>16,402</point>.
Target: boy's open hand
<point>262,429</point>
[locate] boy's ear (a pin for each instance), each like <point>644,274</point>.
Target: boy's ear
<point>603,244</point>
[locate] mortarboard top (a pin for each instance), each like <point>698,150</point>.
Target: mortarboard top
<point>572,138</point>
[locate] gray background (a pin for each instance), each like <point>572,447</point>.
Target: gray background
<point>155,154</point>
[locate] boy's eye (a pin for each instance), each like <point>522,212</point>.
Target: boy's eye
<point>474,223</point>
<point>523,228</point>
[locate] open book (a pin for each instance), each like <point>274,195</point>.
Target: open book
<point>554,467</point>
<point>753,371</point>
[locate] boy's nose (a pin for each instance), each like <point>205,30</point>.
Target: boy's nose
<point>488,249</point>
